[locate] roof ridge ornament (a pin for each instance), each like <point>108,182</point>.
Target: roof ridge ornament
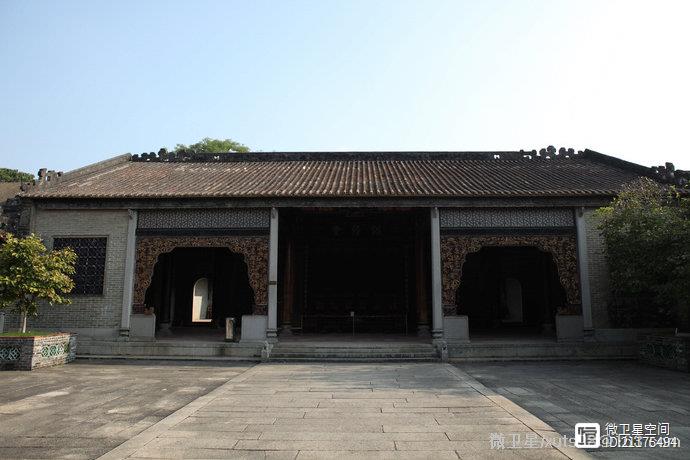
<point>669,174</point>
<point>550,153</point>
<point>164,156</point>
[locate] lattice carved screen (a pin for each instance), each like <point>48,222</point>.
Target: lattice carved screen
<point>90,265</point>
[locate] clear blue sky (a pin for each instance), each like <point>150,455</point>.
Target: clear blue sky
<point>83,80</point>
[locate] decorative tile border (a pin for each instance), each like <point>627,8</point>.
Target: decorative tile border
<point>54,350</point>
<point>9,354</point>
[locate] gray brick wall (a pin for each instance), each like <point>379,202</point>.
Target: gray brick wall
<point>89,315</point>
<point>598,271</point>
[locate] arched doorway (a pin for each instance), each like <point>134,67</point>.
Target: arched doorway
<point>193,290</point>
<point>202,300</point>
<point>510,291</point>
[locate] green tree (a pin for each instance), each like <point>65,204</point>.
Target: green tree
<point>208,145</point>
<point>647,234</point>
<point>30,273</point>
<point>12,175</point>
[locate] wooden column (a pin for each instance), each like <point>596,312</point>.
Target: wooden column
<point>165,320</point>
<point>289,287</point>
<point>547,324</point>
<point>421,267</point>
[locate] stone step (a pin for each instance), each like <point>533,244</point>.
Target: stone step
<point>505,350</point>
<point>368,359</point>
<point>352,355</point>
<point>382,352</point>
<point>355,349</point>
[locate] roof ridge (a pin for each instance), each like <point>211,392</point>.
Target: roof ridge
<point>369,155</point>
<point>98,166</point>
<point>667,173</point>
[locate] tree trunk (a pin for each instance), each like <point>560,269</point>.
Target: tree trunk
<point>24,322</point>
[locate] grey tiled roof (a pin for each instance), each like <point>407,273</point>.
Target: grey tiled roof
<point>352,175</point>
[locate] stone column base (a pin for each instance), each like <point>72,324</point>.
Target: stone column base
<point>548,329</point>
<point>165,329</point>
<point>271,335</point>
<point>423,331</point>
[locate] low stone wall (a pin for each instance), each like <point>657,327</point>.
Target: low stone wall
<point>28,353</point>
<point>181,349</point>
<point>669,352</point>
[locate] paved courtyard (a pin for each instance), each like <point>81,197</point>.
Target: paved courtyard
<point>300,411</point>
<point>565,393</point>
<point>166,409</point>
<point>85,409</point>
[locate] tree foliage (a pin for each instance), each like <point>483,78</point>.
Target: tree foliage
<point>647,234</point>
<point>30,273</point>
<point>208,145</point>
<point>12,175</point>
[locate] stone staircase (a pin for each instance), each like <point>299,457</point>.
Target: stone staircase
<point>341,349</point>
<point>287,351</point>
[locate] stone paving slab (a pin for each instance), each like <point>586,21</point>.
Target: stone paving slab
<point>565,393</point>
<point>397,411</point>
<point>86,408</point>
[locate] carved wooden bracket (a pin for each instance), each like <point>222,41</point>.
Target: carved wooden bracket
<point>454,250</point>
<point>254,249</point>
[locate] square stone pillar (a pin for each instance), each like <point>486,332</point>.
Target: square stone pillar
<point>130,260</point>
<point>436,286</point>
<point>583,265</point>
<point>272,330</point>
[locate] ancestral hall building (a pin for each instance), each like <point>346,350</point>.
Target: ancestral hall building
<point>445,245</point>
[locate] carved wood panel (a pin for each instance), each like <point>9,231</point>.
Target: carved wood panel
<point>254,250</point>
<point>454,250</point>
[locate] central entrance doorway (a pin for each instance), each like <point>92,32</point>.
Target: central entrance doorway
<point>353,271</point>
